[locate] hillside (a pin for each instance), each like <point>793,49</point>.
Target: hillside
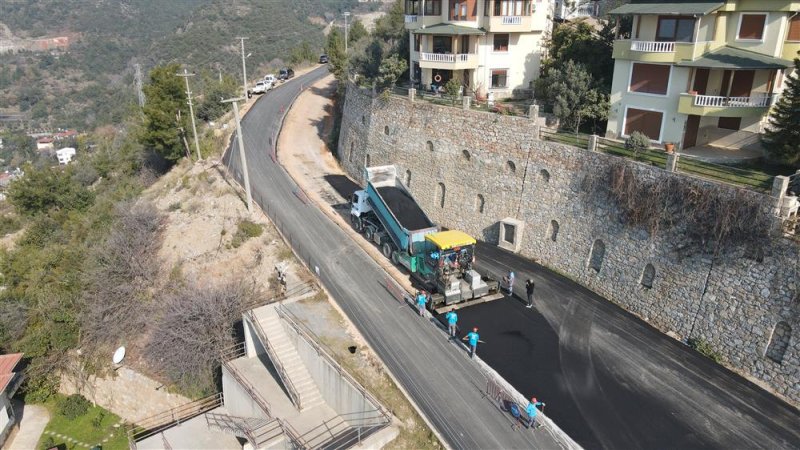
<point>92,84</point>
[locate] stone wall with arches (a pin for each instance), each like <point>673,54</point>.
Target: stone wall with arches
<point>469,170</point>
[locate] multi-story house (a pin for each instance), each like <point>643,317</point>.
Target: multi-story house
<point>491,46</point>
<point>576,9</point>
<point>702,73</point>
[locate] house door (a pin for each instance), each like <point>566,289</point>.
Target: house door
<point>701,81</point>
<point>690,135</point>
<point>726,84</point>
<point>742,83</point>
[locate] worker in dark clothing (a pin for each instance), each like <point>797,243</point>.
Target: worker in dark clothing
<point>529,286</point>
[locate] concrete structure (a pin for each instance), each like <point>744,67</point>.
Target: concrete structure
<point>65,155</point>
<point>702,73</point>
<point>9,382</point>
<point>743,303</point>
<point>44,143</point>
<point>490,46</point>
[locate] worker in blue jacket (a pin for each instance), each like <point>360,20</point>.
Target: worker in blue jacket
<point>452,319</point>
<point>474,338</point>
<point>422,300</point>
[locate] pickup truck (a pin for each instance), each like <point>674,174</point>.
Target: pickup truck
<point>261,87</point>
<point>270,79</point>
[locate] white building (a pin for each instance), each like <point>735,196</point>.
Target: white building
<point>65,155</point>
<point>576,9</point>
<point>490,46</point>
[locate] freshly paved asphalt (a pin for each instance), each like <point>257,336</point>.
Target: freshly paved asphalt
<point>437,374</point>
<point>609,379</point>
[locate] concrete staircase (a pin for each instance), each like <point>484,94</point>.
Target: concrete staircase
<point>261,433</point>
<point>295,374</point>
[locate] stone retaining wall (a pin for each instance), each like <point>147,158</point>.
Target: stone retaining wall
<point>469,170</point>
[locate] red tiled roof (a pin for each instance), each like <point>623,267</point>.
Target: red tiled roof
<point>7,365</point>
<point>45,140</point>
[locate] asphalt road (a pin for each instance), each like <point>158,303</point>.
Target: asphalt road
<point>609,379</point>
<point>438,375</point>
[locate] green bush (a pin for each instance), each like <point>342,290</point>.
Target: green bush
<point>74,406</point>
<point>705,349</point>
<point>244,231</point>
<point>9,224</point>
<point>637,141</point>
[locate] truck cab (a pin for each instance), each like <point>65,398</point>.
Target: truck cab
<point>359,204</point>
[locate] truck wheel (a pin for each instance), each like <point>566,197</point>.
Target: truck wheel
<point>387,250</point>
<point>396,258</point>
<point>358,224</point>
<point>368,233</point>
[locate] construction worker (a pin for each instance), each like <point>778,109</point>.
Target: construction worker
<point>529,286</point>
<point>452,319</point>
<point>422,300</point>
<point>532,411</point>
<point>474,338</point>
<point>509,281</point>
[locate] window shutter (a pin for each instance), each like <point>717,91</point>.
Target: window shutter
<point>794,29</point>
<point>752,26</point>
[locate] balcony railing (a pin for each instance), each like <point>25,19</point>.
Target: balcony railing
<point>512,20</point>
<point>759,101</point>
<point>411,18</point>
<point>653,46</point>
<point>444,57</point>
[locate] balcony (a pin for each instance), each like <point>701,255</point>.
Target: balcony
<point>510,24</point>
<point>717,106</point>
<point>661,52</point>
<point>790,50</point>
<point>414,21</point>
<point>448,61</point>
<point>411,18</point>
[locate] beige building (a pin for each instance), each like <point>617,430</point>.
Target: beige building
<point>491,46</point>
<point>702,72</point>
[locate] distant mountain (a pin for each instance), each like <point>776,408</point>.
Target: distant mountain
<point>92,82</point>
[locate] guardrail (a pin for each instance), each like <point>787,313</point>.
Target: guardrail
<point>760,101</point>
<point>444,57</point>
<point>251,391</point>
<point>150,426</point>
<point>653,46</point>
<point>293,395</point>
<point>310,337</point>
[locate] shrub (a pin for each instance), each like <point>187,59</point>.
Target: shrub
<point>637,141</point>
<point>705,349</point>
<point>9,224</point>
<point>244,231</point>
<point>74,406</point>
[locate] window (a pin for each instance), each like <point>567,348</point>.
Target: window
<point>650,78</point>
<point>366,160</point>
<point>442,44</point>
<point>499,78</point>
<point>545,175</point>
<point>751,26</point>
<point>386,130</point>
<point>352,150</point>
<point>597,255</point>
<point>647,122</point>
<point>501,42</point>
<point>648,275</point>
<point>440,194</point>
<point>779,342</point>
<point>553,230</point>
<point>511,166</point>
<point>433,8</point>
<point>417,42</point>
<point>675,29</point>
<point>463,10</point>
<point>466,154</point>
<point>363,119</point>
<point>794,29</point>
<point>510,7</point>
<point>730,123</point>
<point>429,144</point>
<point>408,178</point>
<point>479,203</point>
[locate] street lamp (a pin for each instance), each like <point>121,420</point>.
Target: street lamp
<point>346,15</point>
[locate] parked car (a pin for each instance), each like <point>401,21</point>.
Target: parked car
<point>323,59</point>
<point>285,73</point>
<point>270,78</point>
<point>261,87</point>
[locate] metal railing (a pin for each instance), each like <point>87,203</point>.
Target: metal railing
<point>251,391</point>
<point>653,46</point>
<point>294,437</point>
<point>273,355</point>
<point>512,20</point>
<point>150,426</point>
<point>337,432</point>
<point>381,413</point>
<point>411,18</point>
<point>759,101</point>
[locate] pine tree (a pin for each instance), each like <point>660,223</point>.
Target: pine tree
<point>782,139</point>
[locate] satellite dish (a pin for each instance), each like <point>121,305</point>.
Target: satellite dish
<point>119,355</point>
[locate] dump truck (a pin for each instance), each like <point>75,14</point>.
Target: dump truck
<point>442,261</point>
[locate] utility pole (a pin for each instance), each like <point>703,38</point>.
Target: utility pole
<point>244,68</point>
<point>138,78</point>
<point>185,75</point>
<point>241,148</point>
<point>346,15</point>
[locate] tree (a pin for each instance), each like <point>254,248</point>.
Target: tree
<point>165,103</point>
<point>210,107</point>
<point>452,88</point>
<point>337,58</point>
<point>579,41</point>
<point>303,53</point>
<point>782,138</point>
<point>570,91</point>
<point>389,71</point>
<point>41,190</point>
<point>356,32</point>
